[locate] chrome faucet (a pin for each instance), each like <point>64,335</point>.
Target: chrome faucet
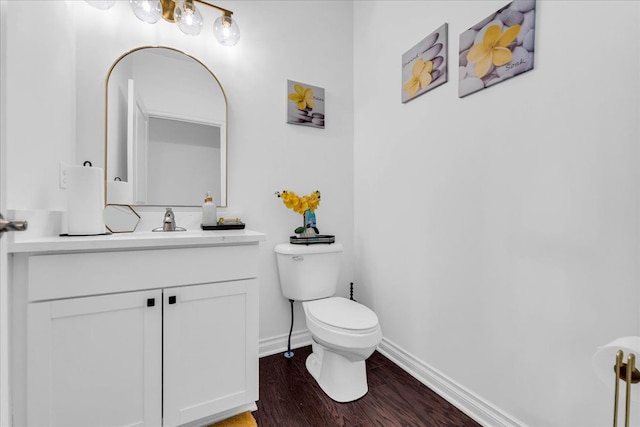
<point>169,222</point>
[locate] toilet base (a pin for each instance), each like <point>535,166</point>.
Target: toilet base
<point>341,379</point>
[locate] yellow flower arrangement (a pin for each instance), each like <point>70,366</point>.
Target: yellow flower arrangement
<point>493,49</point>
<point>304,205</point>
<point>300,204</point>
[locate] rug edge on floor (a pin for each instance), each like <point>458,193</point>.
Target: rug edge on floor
<point>244,419</point>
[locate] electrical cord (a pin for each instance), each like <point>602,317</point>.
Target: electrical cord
<point>289,354</point>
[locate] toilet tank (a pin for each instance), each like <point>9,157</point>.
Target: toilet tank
<point>308,272</point>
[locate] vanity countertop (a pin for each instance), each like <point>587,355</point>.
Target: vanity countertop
<point>136,240</point>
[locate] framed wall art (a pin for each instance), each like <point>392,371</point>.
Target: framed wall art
<point>424,66</point>
<point>305,104</point>
<point>499,47</point>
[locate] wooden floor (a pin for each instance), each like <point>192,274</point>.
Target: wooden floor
<point>289,396</point>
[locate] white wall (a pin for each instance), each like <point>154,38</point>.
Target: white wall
<point>40,101</point>
<point>65,48</point>
<point>270,155</point>
<point>497,235</point>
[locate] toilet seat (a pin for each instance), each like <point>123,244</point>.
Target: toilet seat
<point>342,314</point>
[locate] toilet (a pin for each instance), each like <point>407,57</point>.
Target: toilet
<point>344,332</point>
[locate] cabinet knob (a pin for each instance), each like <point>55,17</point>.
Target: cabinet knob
<point>172,299</point>
<point>151,302</point>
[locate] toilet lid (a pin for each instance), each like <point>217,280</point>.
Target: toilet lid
<point>342,313</point>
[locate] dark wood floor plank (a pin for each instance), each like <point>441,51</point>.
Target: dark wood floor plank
<point>278,382</point>
<point>290,397</point>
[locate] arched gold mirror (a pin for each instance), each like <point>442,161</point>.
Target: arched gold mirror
<point>166,130</point>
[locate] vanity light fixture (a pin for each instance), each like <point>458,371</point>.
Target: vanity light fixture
<point>184,14</point>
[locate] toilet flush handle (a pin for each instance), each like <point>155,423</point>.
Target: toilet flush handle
<point>298,258</point>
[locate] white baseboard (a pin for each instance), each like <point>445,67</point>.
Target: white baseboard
<point>278,344</point>
<point>468,402</point>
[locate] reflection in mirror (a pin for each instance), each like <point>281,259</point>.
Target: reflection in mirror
<point>181,147</point>
<point>120,218</point>
<point>166,124</point>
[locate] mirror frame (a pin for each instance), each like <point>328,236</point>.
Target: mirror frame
<point>224,188</point>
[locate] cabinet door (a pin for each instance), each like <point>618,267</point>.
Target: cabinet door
<point>95,361</point>
<point>210,349</point>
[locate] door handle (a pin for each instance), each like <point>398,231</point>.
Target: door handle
<point>7,225</point>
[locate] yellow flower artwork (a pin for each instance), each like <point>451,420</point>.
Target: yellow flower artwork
<point>424,66</point>
<point>499,47</point>
<point>302,96</point>
<point>421,76</point>
<point>493,49</point>
<point>305,104</point>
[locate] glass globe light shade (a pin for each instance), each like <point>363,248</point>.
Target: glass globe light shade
<point>102,4</point>
<point>188,18</point>
<point>226,30</point>
<point>148,11</point>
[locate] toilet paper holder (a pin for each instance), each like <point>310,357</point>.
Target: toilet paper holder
<point>629,373</point>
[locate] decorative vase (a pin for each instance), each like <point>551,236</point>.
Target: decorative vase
<point>309,224</point>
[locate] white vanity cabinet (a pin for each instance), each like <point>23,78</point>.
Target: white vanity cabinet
<point>208,332</point>
<point>139,337</point>
<point>95,361</point>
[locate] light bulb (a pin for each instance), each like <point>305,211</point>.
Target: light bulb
<point>188,18</point>
<point>102,4</point>
<point>226,30</point>
<point>148,11</point>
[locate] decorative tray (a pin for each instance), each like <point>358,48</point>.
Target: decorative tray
<point>239,226</point>
<point>106,233</point>
<point>319,238</point>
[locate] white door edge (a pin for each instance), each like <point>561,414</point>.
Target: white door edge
<point>5,412</point>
